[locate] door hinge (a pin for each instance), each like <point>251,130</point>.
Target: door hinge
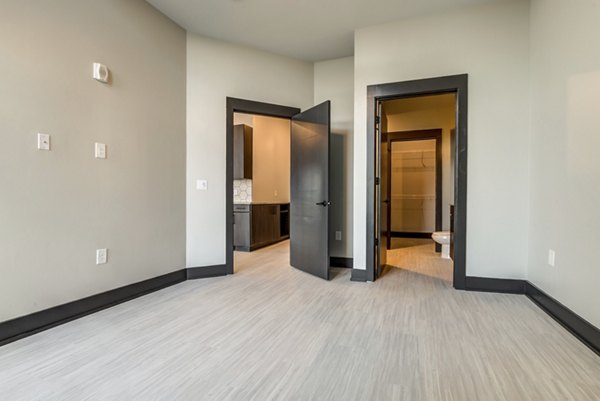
<point>377,119</point>
<point>376,180</point>
<point>376,241</point>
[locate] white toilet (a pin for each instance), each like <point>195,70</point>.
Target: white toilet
<point>443,238</point>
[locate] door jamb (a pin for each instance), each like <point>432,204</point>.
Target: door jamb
<point>430,86</point>
<point>235,105</point>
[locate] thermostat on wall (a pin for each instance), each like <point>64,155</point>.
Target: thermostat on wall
<point>100,72</point>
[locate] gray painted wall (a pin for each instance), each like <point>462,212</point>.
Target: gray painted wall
<point>217,70</point>
<point>334,80</point>
<point>565,163</point>
<point>58,207</point>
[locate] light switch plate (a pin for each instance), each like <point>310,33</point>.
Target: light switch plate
<point>201,185</point>
<point>43,141</point>
<point>551,258</point>
<point>338,235</point>
<point>100,150</point>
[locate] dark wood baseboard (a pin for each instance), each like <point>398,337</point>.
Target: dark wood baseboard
<point>586,332</point>
<point>21,327</point>
<point>402,234</point>
<point>25,326</point>
<point>358,275</point>
<point>194,273</point>
<point>500,285</point>
<point>335,261</point>
<point>583,330</point>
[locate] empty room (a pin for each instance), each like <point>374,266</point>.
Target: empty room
<point>273,200</point>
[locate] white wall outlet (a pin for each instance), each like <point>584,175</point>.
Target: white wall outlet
<point>43,141</point>
<point>101,256</point>
<point>201,185</point>
<point>551,258</point>
<point>338,235</point>
<point>100,150</point>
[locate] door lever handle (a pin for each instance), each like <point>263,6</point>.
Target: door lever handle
<point>324,203</point>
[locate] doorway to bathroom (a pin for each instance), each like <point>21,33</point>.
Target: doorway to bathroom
<point>416,199</point>
<point>414,195</point>
<point>414,186</point>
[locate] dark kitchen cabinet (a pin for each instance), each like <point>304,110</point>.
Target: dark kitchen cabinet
<point>259,225</point>
<point>264,220</point>
<point>242,152</point>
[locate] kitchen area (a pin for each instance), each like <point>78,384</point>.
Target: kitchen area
<point>261,186</point>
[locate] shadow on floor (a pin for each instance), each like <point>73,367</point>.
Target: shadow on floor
<point>335,272</point>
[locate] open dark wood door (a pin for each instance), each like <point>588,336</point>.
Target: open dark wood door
<point>309,206</point>
<point>382,195</point>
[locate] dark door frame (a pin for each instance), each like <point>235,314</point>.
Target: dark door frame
<point>235,105</point>
<point>457,84</point>
<point>418,135</point>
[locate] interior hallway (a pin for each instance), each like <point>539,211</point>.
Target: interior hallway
<point>271,332</point>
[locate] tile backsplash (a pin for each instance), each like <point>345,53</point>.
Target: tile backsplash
<point>242,191</point>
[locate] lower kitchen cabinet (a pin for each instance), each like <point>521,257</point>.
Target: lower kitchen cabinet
<point>259,225</point>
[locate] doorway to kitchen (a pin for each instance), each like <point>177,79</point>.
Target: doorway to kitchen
<point>277,183</point>
<point>261,184</point>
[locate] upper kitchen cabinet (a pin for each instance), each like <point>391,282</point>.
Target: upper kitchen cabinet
<point>242,152</point>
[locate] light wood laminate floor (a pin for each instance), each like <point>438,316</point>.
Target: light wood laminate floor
<point>419,256</point>
<point>271,332</point>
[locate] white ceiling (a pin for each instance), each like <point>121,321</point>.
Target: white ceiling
<point>308,30</point>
